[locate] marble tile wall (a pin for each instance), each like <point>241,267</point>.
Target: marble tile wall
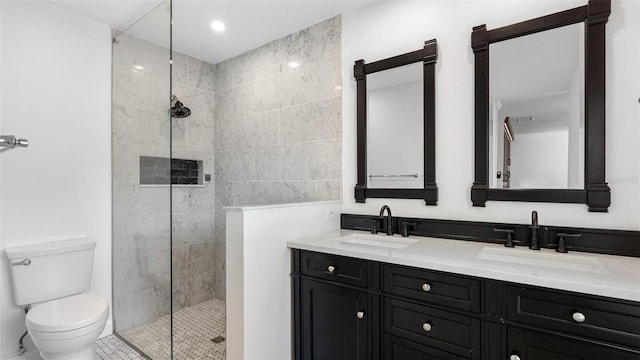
<point>141,214</point>
<point>278,124</point>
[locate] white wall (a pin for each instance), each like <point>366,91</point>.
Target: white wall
<point>258,269</point>
<point>540,160</point>
<point>56,74</point>
<point>391,28</point>
<point>394,135</point>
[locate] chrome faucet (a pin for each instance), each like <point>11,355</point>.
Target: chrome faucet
<point>533,245</point>
<point>388,222</point>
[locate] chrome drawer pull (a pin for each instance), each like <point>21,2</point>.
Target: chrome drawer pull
<point>426,287</point>
<point>360,314</point>
<point>514,357</point>
<point>426,326</point>
<point>578,317</point>
<point>331,269</point>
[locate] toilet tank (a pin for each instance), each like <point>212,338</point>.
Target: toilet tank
<point>50,270</point>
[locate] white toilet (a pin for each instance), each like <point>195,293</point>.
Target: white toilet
<point>51,277</point>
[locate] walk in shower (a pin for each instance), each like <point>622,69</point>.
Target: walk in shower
<point>190,137</point>
<point>168,296</point>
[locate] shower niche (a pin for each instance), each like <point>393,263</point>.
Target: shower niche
<point>164,171</point>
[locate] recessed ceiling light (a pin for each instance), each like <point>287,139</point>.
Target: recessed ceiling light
<point>218,26</point>
<point>337,87</point>
<point>293,64</point>
<point>138,67</point>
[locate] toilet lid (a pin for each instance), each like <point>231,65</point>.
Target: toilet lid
<point>68,313</point>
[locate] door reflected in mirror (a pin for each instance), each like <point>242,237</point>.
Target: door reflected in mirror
<point>537,111</point>
<point>395,123</point>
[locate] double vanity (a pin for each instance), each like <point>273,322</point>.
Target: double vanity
<point>363,296</point>
<point>448,289</point>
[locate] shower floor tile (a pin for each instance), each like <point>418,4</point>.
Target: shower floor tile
<point>111,348</point>
<point>194,329</point>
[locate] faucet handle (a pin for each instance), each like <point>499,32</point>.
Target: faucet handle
<point>510,242</point>
<point>374,225</point>
<point>561,246</point>
<point>405,228</point>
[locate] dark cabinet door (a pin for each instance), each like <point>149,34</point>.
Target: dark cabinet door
<point>336,322</point>
<point>534,345</point>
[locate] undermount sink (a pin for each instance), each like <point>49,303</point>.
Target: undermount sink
<point>543,260</point>
<point>390,242</point>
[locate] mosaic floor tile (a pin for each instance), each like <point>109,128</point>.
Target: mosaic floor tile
<point>194,329</point>
<point>111,348</point>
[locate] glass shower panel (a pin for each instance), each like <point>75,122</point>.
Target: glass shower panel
<point>141,164</point>
<point>198,256</point>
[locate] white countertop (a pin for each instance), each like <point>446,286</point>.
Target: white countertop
<point>605,275</point>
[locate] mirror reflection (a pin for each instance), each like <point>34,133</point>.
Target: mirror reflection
<point>395,123</point>
<point>537,110</point>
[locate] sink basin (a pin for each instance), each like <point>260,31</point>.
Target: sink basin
<point>389,242</point>
<point>543,260</point>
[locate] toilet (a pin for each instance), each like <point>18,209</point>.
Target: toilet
<point>52,277</point>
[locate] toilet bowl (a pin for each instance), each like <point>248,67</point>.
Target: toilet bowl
<point>65,329</point>
<point>52,279</point>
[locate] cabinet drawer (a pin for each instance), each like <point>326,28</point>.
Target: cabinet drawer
<point>609,320</point>
<point>396,348</point>
<point>336,268</point>
<point>433,287</point>
<point>537,345</point>
<point>452,333</point>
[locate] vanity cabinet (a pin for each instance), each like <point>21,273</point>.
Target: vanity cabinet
<point>336,316</point>
<point>350,308</point>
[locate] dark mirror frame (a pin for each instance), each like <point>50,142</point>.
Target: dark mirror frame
<point>596,193</point>
<point>428,55</point>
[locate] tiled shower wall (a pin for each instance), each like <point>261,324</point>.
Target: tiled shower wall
<point>278,122</point>
<point>141,217</point>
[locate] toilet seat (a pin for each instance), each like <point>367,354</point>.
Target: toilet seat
<point>69,313</point>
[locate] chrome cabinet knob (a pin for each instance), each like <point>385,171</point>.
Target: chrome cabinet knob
<point>578,317</point>
<point>426,326</point>
<point>331,269</point>
<point>426,287</point>
<point>514,357</point>
<point>360,314</point>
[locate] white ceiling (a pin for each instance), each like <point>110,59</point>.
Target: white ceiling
<point>550,112</point>
<point>537,64</point>
<point>250,23</point>
<point>119,14</point>
<point>532,76</point>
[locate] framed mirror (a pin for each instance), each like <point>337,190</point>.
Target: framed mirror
<point>540,109</point>
<point>396,126</point>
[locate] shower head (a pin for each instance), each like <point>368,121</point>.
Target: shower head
<point>179,110</point>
